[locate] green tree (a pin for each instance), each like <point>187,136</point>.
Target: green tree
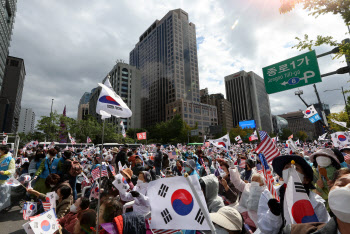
<point>341,117</point>
<point>238,131</point>
<point>49,125</point>
<point>317,8</point>
<point>285,134</point>
<point>301,135</point>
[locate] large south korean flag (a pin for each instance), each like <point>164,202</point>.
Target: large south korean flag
<point>174,206</point>
<point>340,139</point>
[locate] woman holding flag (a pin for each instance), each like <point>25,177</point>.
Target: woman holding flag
<point>273,215</point>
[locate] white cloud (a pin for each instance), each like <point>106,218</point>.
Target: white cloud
<point>69,46</point>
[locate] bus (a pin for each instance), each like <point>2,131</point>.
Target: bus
<point>112,145</point>
<point>64,145</point>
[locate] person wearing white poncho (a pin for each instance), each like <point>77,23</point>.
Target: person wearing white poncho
<point>251,192</point>
<point>138,194</point>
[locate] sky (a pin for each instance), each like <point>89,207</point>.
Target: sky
<point>70,46</point>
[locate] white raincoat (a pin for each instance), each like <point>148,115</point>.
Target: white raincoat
<point>142,205</point>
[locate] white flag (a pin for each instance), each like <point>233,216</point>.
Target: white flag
<point>108,83</point>
<point>50,200</point>
<point>291,145</point>
<point>120,183</point>
<point>309,112</point>
<point>299,206</point>
<point>223,142</point>
<point>4,140</point>
<point>340,139</point>
<point>174,206</point>
<point>123,129</point>
<point>29,209</point>
<point>12,182</point>
<point>27,228</point>
<point>109,103</point>
<point>323,137</point>
<point>343,124</point>
<point>45,223</point>
<point>94,191</point>
<point>238,138</point>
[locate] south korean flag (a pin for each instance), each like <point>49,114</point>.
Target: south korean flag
<point>310,111</point>
<point>174,206</point>
<point>340,139</point>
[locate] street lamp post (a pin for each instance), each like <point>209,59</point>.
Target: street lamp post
<point>51,116</point>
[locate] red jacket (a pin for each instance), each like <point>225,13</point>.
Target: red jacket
<point>68,221</point>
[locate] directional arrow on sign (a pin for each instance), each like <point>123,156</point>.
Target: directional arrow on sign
<point>284,83</point>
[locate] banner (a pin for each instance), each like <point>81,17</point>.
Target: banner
<point>141,136</point>
<point>223,142</point>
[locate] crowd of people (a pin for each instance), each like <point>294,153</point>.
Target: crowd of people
<point>233,183</point>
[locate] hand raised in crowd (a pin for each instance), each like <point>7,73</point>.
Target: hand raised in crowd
<point>224,183</point>
<point>2,172</point>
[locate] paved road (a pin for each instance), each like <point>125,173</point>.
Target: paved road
<point>11,222</point>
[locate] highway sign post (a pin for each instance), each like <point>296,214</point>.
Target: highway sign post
<point>292,73</point>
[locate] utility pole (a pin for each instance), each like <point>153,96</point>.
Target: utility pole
<point>51,116</point>
<point>346,106</point>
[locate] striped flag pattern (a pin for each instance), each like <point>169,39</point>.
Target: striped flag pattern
<point>346,157</point>
<point>104,171</point>
<point>242,163</point>
<point>46,205</point>
<point>267,147</point>
<point>95,174</point>
<point>268,176</point>
<point>112,170</point>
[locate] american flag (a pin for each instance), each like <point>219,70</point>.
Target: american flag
<point>163,231</point>
<point>268,176</point>
<point>104,171</point>
<point>88,140</point>
<point>267,147</point>
<point>346,157</point>
<point>242,163</point>
<point>112,170</point>
<point>95,174</point>
<point>46,205</point>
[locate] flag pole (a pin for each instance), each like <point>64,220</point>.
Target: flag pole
<point>206,215</point>
<point>99,182</point>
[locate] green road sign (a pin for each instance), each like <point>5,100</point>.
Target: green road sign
<point>292,73</point>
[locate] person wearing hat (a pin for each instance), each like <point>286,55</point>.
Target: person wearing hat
<point>122,157</point>
<point>273,215</point>
<point>127,174</point>
<point>139,194</point>
<point>138,166</point>
<point>325,164</point>
<point>190,167</point>
<point>339,202</point>
<point>149,164</point>
<point>228,220</point>
<point>158,158</point>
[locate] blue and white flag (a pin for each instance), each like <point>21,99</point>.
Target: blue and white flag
<point>29,209</point>
<point>109,103</point>
<point>45,224</point>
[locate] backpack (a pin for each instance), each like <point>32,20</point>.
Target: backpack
<point>75,168</point>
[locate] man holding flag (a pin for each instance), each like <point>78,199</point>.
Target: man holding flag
<point>274,215</point>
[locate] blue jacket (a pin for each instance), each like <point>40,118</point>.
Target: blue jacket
<point>49,168</point>
<point>4,167</point>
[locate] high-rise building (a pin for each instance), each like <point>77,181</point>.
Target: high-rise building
<point>166,55</point>
<point>249,100</point>
<point>125,80</point>
<point>83,107</point>
<point>7,18</point>
<point>12,93</point>
<point>194,113</point>
<point>26,120</point>
<point>223,108</point>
